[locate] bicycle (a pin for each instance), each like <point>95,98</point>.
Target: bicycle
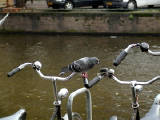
<point>144,47</point>
<point>136,88</point>
<point>86,89</point>
<point>63,93</point>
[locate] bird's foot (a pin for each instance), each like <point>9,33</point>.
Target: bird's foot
<point>85,75</point>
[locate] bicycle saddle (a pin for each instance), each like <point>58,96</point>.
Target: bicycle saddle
<point>19,115</point>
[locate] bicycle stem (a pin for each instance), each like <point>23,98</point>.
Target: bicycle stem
<point>135,114</point>
<point>135,104</point>
<point>55,93</point>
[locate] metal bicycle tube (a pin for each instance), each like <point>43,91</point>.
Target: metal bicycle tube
<point>55,91</point>
<point>135,113</point>
<point>59,112</point>
<point>133,95</point>
<point>56,113</point>
<point>88,102</point>
<point>56,102</point>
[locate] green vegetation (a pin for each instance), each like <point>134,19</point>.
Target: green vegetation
<point>131,17</point>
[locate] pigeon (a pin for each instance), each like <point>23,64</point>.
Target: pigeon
<point>154,112</point>
<point>3,19</point>
<point>81,65</point>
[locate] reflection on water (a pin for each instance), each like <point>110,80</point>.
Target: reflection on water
<point>27,90</point>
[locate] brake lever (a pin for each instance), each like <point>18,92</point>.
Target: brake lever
<point>106,72</point>
<point>144,47</point>
<point>37,65</point>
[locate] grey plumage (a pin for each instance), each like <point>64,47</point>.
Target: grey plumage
<point>81,65</point>
<point>154,112</point>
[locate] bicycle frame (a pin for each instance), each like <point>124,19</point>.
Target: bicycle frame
<point>56,113</point>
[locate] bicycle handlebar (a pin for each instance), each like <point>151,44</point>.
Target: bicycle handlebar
<point>154,53</point>
<point>144,47</point>
<point>37,66</point>
<point>119,58</point>
<point>15,70</point>
<point>55,77</point>
<point>110,73</point>
<point>123,54</point>
<point>94,81</point>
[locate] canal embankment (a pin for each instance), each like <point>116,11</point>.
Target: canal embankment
<point>89,21</point>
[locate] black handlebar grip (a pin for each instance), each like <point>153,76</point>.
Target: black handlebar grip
<point>13,72</point>
<point>119,58</point>
<point>92,82</point>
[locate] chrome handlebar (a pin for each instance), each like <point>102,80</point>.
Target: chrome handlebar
<point>143,46</point>
<point>55,77</point>
<point>134,82</point>
<point>136,86</point>
<point>37,66</point>
<point>153,53</point>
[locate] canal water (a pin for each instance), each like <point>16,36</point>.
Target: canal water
<point>27,90</point>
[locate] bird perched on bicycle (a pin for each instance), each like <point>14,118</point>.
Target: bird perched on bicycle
<point>81,65</point>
